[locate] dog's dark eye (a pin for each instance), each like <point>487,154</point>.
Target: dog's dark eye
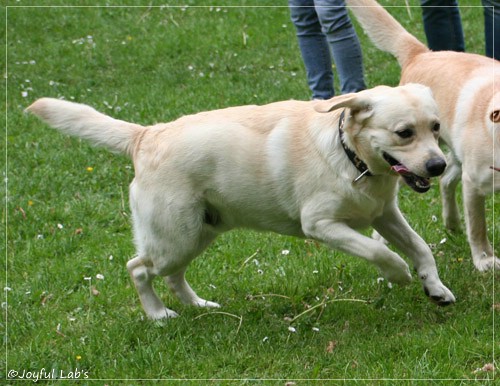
<point>436,127</point>
<point>406,133</point>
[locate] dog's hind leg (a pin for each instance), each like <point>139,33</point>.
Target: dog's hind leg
<point>171,264</point>
<point>477,231</point>
<point>170,231</point>
<point>448,185</point>
<point>186,250</point>
<point>142,275</point>
<point>180,287</point>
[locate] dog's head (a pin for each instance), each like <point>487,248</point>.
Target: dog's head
<point>393,130</point>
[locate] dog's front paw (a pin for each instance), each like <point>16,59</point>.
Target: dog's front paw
<point>439,294</point>
<point>484,262</point>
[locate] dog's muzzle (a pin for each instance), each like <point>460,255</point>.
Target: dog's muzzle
<point>435,167</point>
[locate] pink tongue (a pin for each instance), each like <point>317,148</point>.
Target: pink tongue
<point>400,169</point>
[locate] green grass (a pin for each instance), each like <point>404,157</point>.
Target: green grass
<point>68,218</point>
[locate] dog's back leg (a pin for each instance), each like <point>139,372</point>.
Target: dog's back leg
<point>185,251</point>
<point>475,219</point>
<point>170,230</point>
<point>142,275</point>
<point>171,264</point>
<point>180,287</point>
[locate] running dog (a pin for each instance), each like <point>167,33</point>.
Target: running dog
<point>467,90</point>
<point>317,169</point>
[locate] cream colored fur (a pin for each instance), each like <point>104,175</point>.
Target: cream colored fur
<point>278,167</point>
<point>467,90</point>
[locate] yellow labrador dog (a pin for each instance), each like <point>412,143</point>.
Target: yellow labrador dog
<point>295,168</point>
<point>467,91</point>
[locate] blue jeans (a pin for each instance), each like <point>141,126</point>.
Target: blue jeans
<point>443,26</point>
<point>492,28</point>
<point>324,25</point>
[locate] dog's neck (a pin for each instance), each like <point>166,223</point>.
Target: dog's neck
<point>353,157</point>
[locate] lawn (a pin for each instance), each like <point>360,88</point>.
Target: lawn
<point>292,310</point>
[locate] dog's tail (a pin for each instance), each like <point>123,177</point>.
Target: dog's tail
<point>385,32</point>
<point>83,121</point>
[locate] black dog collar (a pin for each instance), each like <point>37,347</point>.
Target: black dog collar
<point>356,161</point>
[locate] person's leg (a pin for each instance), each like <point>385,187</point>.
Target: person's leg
<point>443,25</point>
<point>343,42</point>
<point>492,28</point>
<point>313,47</point>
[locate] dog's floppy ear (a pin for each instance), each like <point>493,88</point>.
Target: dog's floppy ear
<point>360,106</point>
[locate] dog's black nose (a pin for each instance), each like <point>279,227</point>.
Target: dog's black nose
<point>435,166</point>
